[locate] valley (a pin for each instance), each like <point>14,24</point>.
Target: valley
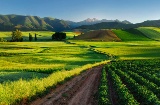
<point>88,67</point>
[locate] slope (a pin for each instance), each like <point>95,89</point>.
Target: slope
<point>98,35</point>
<point>150,32</point>
<point>131,35</point>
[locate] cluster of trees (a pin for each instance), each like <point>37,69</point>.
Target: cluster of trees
<point>31,38</point>
<point>59,36</point>
<point>17,36</point>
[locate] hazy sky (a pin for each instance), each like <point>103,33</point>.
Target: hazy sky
<point>77,10</point>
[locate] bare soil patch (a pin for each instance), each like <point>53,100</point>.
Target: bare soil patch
<point>99,35</point>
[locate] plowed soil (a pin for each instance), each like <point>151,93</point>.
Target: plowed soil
<point>81,90</point>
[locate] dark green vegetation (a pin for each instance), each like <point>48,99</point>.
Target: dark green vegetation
<point>59,36</point>
<point>135,82</point>
<point>15,76</point>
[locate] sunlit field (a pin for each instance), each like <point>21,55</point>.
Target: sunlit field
<point>126,50</point>
<point>28,69</point>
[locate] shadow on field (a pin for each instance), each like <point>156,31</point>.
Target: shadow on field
<point>14,76</point>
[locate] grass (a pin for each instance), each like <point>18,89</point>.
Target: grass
<point>45,56</point>
<point>28,69</point>
<point>126,50</point>
<point>151,32</point>
<point>15,76</point>
<point>130,35</point>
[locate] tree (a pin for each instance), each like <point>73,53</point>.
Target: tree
<point>17,36</point>
<point>35,38</point>
<point>30,37</point>
<point>59,36</point>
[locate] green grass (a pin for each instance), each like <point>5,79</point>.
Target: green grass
<point>28,69</point>
<point>130,35</point>
<point>126,50</point>
<point>151,32</point>
<point>46,56</point>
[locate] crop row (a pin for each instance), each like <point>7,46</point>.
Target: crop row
<point>103,98</point>
<point>141,93</point>
<point>124,95</point>
<point>132,83</point>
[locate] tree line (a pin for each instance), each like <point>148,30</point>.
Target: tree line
<point>17,36</point>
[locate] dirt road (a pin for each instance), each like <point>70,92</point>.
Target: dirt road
<point>81,90</point>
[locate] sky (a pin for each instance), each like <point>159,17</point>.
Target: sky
<point>135,11</point>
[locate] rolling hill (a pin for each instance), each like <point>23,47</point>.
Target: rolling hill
<point>25,23</point>
<point>98,35</point>
<point>131,35</point>
<point>151,32</point>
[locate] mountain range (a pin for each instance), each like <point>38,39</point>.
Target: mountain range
<point>25,23</point>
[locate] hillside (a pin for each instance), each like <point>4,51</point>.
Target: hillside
<point>98,35</point>
<point>120,25</point>
<point>25,23</point>
<point>131,35</point>
<point>107,25</point>
<point>150,32</point>
<point>35,23</point>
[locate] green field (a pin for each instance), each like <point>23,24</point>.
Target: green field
<point>151,32</point>
<point>130,35</point>
<point>28,62</point>
<point>30,69</point>
<point>126,50</point>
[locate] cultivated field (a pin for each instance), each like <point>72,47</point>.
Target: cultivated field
<point>134,83</point>
<point>80,71</point>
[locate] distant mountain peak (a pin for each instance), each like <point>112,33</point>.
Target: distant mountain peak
<point>91,20</point>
